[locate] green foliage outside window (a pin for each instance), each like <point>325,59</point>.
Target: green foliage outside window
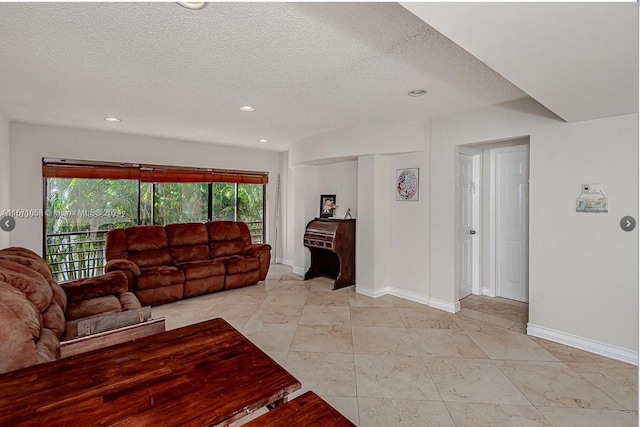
<point>80,211</point>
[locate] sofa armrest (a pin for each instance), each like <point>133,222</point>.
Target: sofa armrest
<point>130,269</point>
<point>263,253</point>
<point>112,283</point>
<point>122,264</point>
<point>256,249</point>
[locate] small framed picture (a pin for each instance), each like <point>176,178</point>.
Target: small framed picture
<point>407,185</point>
<point>327,205</point>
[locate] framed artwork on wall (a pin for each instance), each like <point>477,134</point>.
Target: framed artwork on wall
<point>327,205</point>
<point>407,185</point>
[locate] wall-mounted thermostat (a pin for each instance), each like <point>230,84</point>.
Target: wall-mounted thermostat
<point>591,189</point>
<point>592,199</point>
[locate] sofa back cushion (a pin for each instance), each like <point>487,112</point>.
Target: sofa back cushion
<point>18,346</point>
<point>115,246</point>
<point>147,245</point>
<point>29,259</point>
<point>31,310</point>
<point>226,238</point>
<point>188,242</point>
<point>14,300</point>
<point>35,287</point>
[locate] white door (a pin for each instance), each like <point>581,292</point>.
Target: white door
<point>512,222</point>
<point>466,231</point>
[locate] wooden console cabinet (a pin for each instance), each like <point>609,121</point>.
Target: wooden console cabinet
<point>332,243</point>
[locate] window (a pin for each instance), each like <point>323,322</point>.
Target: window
<point>180,203</point>
<point>85,200</point>
<point>79,212</point>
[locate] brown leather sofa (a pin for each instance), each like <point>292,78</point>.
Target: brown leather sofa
<point>36,313</point>
<point>168,263</point>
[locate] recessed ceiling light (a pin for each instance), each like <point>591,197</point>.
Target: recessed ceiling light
<point>247,108</point>
<point>263,140</point>
<point>417,92</point>
<point>112,119</point>
<point>193,5</point>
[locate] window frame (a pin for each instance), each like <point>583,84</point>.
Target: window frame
<point>146,173</point>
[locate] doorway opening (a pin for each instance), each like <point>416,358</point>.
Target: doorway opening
<point>492,227</point>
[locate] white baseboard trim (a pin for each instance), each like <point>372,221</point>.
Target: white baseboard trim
<point>298,271</point>
<point>411,296</point>
<point>444,305</point>
<point>586,344</point>
<point>370,292</point>
<point>489,292</point>
<point>284,261</point>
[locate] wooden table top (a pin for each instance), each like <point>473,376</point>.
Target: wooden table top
<point>307,410</point>
<point>202,374</point>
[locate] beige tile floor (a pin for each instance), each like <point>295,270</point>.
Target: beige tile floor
<point>392,362</point>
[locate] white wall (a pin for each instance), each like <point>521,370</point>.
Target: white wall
<point>598,308</point>
<point>307,183</point>
<point>285,235</point>
<point>30,143</point>
<point>349,143</point>
<point>5,173</point>
<point>584,267</point>
<point>372,231</point>
<point>340,179</point>
<point>355,188</point>
<point>305,196</point>
<point>408,251</point>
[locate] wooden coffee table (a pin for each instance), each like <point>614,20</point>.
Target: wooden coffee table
<point>200,375</point>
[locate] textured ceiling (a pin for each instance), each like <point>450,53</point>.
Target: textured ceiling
<point>307,68</point>
<point>580,60</point>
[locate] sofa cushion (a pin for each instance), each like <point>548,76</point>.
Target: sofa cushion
<point>147,245</point>
<point>115,246</point>
<point>162,295</point>
<point>17,343</point>
<point>226,248</point>
<point>100,305</point>
<point>189,253</point>
<point>157,277</point>
<point>128,301</point>
<point>146,238</point>
<point>59,297</point>
<point>188,234</point>
<point>196,287</point>
<point>150,258</point>
<point>47,347</point>
<point>241,265</point>
<point>29,282</point>
<point>14,300</point>
<point>53,319</point>
<point>188,242</point>
<point>201,269</point>
<point>112,283</point>
<point>234,281</point>
<point>223,230</point>
<point>29,259</point>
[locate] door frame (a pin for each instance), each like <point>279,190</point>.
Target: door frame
<point>476,281</point>
<point>492,290</point>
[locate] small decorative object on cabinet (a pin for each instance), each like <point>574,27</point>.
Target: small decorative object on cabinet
<point>332,243</point>
<point>327,205</point>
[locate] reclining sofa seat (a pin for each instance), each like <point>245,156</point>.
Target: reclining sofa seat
<point>168,263</point>
<point>36,312</point>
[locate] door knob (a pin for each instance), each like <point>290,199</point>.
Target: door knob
<point>472,231</point>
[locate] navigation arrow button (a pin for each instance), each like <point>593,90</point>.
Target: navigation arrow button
<point>628,223</point>
<point>7,223</point>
